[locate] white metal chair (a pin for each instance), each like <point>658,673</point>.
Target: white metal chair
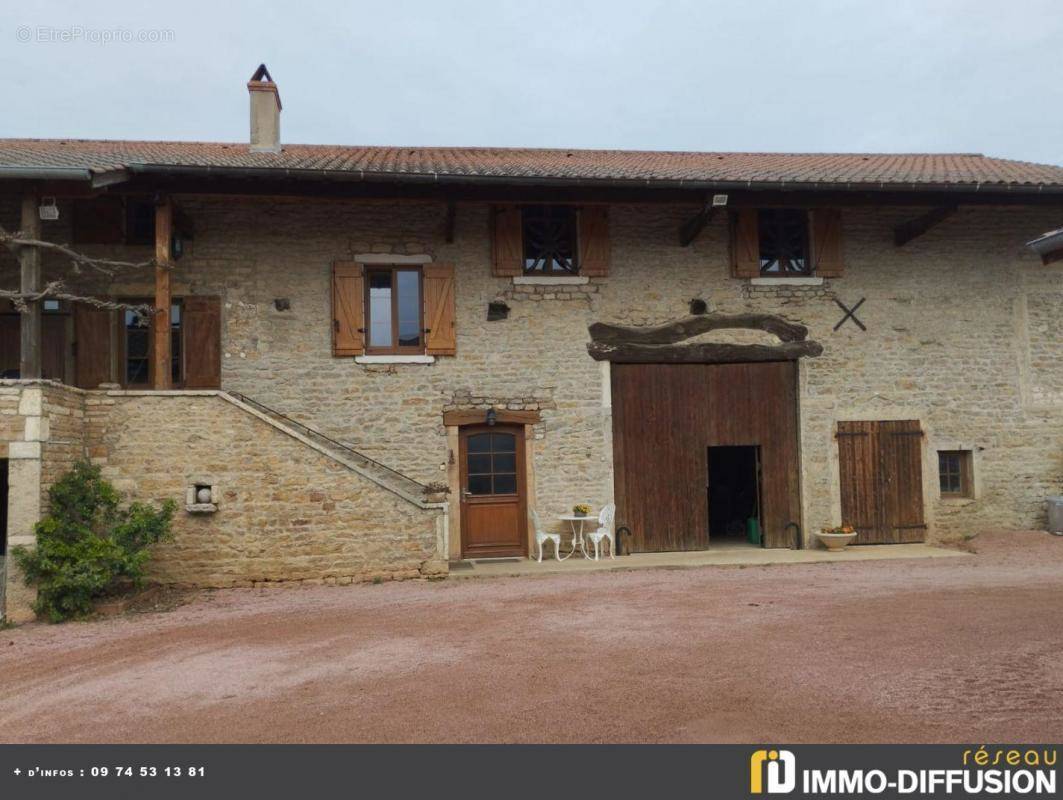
<point>543,536</point>
<point>605,531</point>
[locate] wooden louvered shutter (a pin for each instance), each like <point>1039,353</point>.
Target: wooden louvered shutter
<point>594,241</point>
<point>745,244</point>
<point>201,326</point>
<point>507,241</point>
<point>826,226</point>
<point>348,308</point>
<point>440,337</point>
<point>93,334</point>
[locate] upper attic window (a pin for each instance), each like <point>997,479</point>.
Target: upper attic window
<point>549,234</point>
<point>783,234</point>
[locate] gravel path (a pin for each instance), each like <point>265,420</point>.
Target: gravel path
<point>963,649</point>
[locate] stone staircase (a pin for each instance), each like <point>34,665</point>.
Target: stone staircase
<point>385,476</point>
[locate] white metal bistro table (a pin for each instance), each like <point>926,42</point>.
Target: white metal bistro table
<point>576,522</point>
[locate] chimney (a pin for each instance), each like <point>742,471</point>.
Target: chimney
<point>265,112</point>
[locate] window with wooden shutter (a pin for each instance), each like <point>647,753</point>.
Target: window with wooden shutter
<point>439,316</point>
<point>594,241</point>
<point>507,241</point>
<point>93,337</point>
<point>348,308</point>
<point>202,342</point>
<point>826,226</point>
<point>745,244</point>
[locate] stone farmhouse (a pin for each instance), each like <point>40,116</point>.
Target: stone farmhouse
<point>372,362</point>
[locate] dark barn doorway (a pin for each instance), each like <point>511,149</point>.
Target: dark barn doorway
<point>734,494</point>
<point>3,507</point>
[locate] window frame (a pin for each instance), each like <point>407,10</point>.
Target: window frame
<point>964,472</point>
<point>577,267</point>
<point>395,349</point>
<point>123,346</point>
<point>785,271</point>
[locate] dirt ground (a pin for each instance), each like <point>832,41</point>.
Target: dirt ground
<point>957,649</point>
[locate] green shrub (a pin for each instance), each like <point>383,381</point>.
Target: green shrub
<point>88,543</point>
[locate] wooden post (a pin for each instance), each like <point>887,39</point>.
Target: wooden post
<point>30,321</point>
<point>161,321</point>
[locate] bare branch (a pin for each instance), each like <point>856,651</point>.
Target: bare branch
<point>14,241</point>
<point>56,291</point>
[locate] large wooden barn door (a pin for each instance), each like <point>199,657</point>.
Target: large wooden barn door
<point>880,467</point>
<point>666,416</point>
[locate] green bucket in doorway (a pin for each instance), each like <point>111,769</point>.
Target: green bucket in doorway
<point>753,530</point>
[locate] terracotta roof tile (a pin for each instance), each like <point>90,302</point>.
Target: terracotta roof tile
<point>458,163</point>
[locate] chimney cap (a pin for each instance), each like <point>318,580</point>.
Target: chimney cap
<point>261,80</point>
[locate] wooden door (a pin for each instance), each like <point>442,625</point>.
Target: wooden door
<point>881,478</point>
<point>493,496</point>
<point>666,416</point>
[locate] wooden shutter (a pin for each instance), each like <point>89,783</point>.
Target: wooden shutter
<point>826,227</point>
<point>507,241</point>
<point>348,308</point>
<point>100,220</point>
<point>440,335</point>
<point>881,473</point>
<point>745,244</point>
<point>901,465</point>
<point>594,241</point>
<point>93,346</point>
<point>201,325</point>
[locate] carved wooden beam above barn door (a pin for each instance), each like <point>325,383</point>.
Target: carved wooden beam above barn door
<point>914,228</point>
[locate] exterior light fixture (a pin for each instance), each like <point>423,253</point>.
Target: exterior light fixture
<point>48,210</point>
<point>177,246</point>
<point>719,200</point>
<point>492,416</point>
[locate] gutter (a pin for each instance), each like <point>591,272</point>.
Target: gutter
<point>98,178</point>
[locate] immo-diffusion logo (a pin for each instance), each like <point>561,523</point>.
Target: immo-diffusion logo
<point>781,769</point>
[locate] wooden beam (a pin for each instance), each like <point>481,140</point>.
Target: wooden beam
<point>693,226</point>
<point>690,327</point>
<point>161,353</point>
<point>503,416</point>
<point>449,227</point>
<point>914,228</point>
<point>706,353</point>
<point>30,319</point>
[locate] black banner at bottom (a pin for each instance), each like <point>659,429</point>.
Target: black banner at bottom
<point>202,772</point>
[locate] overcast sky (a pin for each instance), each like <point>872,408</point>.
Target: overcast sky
<point>754,75</point>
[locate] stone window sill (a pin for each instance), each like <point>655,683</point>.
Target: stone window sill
<point>957,501</point>
<point>394,359</point>
<point>551,280</point>
<point>810,281</point>
<point>201,508</point>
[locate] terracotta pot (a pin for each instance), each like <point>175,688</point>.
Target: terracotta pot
<point>835,542</point>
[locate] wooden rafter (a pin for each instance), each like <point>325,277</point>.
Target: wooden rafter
<point>914,228</point>
<point>693,226</point>
<point>448,228</point>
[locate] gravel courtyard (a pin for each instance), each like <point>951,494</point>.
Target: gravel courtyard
<point>956,649</point>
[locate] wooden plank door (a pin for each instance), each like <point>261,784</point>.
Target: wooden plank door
<point>880,469</point>
<point>493,495</point>
<point>666,416</point>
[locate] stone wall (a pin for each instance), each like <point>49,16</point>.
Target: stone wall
<point>285,511</point>
<point>41,435</point>
<point>961,328</point>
